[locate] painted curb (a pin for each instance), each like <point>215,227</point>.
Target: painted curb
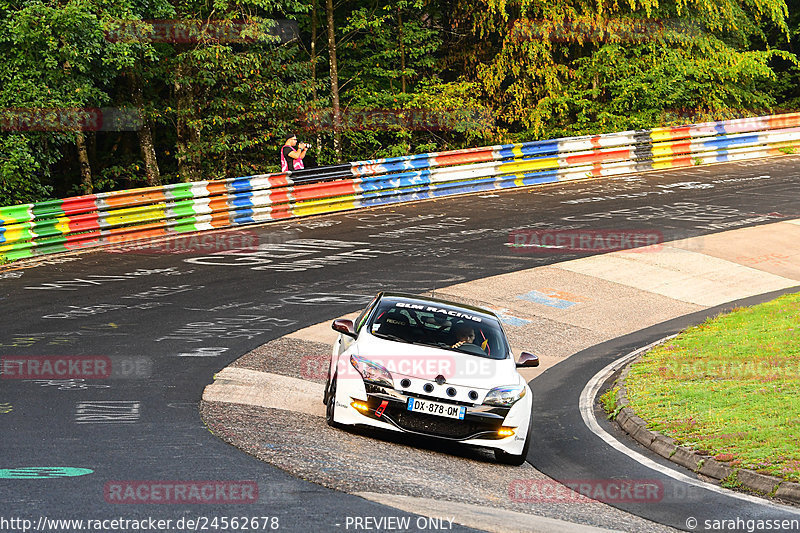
<point>704,465</point>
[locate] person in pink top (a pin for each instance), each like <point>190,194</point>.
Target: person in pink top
<point>291,158</point>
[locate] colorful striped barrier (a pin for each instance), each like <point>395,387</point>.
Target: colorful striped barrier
<point>116,217</point>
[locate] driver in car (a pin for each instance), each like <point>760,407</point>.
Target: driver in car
<point>464,334</point>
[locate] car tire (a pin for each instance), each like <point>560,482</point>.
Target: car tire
<point>327,388</point>
<point>330,406</point>
<point>513,459</point>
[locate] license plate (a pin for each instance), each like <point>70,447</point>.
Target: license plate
<point>435,408</point>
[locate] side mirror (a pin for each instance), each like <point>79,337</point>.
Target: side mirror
<point>527,359</point>
<point>345,326</point>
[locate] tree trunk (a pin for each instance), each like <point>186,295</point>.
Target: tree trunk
<point>337,118</point>
<point>186,135</point>
<point>83,161</point>
<point>402,50</point>
<point>91,148</point>
<point>149,154</point>
<point>145,134</point>
<point>314,15</point>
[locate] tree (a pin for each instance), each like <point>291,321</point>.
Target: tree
<point>334,76</point>
<point>236,90</point>
<point>568,66</point>
<point>215,86</point>
<point>391,100</point>
<point>51,73</point>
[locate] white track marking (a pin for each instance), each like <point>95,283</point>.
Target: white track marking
<point>587,413</point>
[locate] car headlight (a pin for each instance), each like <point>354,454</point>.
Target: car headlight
<point>371,371</point>
<point>505,396</point>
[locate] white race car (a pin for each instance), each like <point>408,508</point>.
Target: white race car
<point>431,367</point>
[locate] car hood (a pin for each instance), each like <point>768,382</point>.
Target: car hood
<point>427,362</point>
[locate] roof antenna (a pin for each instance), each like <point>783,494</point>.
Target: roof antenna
<point>433,292</point>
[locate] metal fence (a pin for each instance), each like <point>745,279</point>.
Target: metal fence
<point>114,217</point>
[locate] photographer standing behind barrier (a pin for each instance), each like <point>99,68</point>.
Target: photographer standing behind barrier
<point>292,159</point>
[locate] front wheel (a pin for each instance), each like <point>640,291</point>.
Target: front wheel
<point>513,459</point>
<point>331,404</point>
<point>327,388</point>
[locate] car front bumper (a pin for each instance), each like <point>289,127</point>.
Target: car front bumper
<point>387,409</point>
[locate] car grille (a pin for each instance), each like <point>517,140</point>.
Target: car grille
<point>440,426</point>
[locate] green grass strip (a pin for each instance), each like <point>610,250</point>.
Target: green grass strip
<point>729,387</point>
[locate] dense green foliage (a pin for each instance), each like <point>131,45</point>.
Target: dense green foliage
<point>216,85</point>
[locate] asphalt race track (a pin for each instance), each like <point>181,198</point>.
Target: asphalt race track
<point>167,318</point>
<point>563,454</point>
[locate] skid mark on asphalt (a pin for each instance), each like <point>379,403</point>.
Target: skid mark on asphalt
<point>265,407</point>
<point>289,431</point>
<point>358,462</point>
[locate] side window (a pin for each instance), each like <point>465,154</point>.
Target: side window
<point>362,318</point>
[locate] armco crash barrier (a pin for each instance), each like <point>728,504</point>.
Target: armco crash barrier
<point>114,217</point>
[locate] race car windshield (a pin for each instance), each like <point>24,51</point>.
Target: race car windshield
<point>433,324</point>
